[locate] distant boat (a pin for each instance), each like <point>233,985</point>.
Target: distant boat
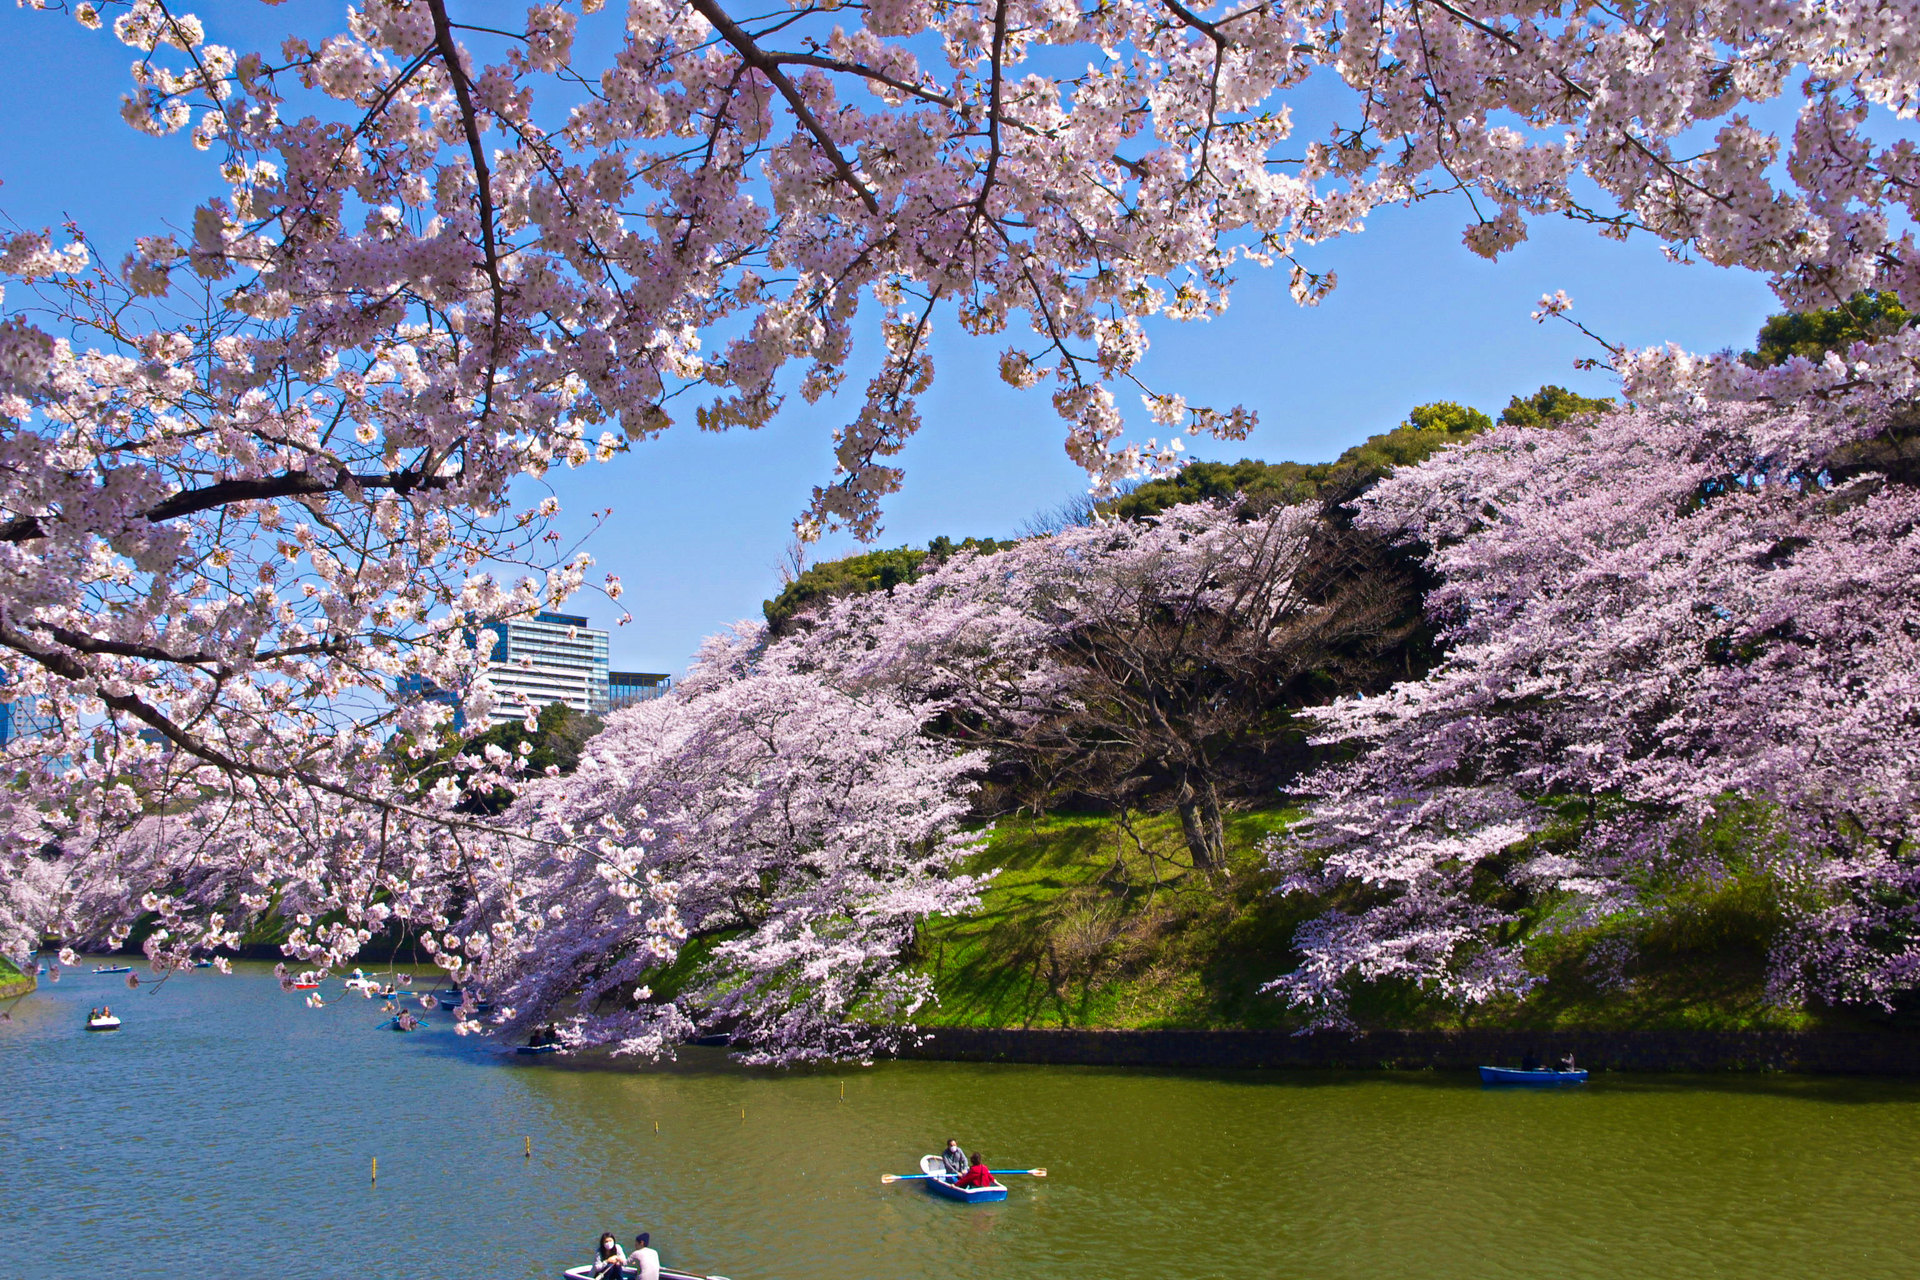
<point>452,997</point>
<point>542,1048</point>
<point>114,968</point>
<point>203,964</point>
<point>941,1183</point>
<point>108,1023</point>
<point>1543,1078</point>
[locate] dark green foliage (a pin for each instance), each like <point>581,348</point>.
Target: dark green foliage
<point>559,735</point>
<point>1864,317</point>
<point>1549,407</point>
<point>858,574</point>
<point>1428,429</point>
<point>1264,484</point>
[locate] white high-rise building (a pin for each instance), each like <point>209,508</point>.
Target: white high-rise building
<point>549,658</point>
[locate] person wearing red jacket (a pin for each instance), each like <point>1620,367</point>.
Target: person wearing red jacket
<point>978,1175</point>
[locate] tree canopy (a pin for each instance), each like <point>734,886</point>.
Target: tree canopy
<point>265,471</point>
<point>1868,317</point>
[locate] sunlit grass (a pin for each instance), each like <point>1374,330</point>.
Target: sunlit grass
<point>1093,921</point>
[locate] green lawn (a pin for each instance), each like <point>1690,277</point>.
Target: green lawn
<point>1092,922</point>
<point>1095,923</point>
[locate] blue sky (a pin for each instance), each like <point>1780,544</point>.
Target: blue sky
<point>700,521</point>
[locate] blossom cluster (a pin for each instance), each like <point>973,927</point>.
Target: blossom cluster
<point>1656,619</point>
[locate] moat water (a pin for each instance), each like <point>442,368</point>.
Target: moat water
<point>228,1131</point>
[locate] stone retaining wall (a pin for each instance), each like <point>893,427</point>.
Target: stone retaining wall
<point>17,987</point>
<point>1864,1053</point>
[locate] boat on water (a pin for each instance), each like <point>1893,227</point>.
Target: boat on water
<point>1541,1078</point>
<point>114,968</point>
<point>107,1023</point>
<point>941,1183</point>
<point>628,1273</point>
<point>542,1048</point>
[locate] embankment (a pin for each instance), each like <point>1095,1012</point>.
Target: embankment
<point>1818,1052</point>
<point>13,982</point>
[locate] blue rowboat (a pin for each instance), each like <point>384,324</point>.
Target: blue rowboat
<point>1543,1079</point>
<point>114,968</point>
<point>940,1183</point>
<point>539,1048</point>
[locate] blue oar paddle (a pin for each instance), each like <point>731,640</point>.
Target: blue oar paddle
<point>998,1173</point>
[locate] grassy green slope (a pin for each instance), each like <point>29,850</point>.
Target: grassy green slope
<point>10,975</point>
<point>1092,922</point>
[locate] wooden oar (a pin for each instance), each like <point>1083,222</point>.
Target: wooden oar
<point>998,1173</point>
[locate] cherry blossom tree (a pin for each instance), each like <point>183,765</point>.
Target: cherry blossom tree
<point>780,837</point>
<point>1654,616</point>
<point>1127,659</point>
<point>258,473</point>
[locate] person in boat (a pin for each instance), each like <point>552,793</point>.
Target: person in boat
<point>1530,1061</point>
<point>609,1263</point>
<point>954,1158</point>
<point>644,1262</point>
<point>977,1174</point>
<point>1566,1063</point>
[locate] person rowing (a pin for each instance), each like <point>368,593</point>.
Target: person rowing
<point>644,1262</point>
<point>977,1174</point>
<point>954,1158</point>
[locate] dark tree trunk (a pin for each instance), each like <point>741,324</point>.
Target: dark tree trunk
<point>1199,804</point>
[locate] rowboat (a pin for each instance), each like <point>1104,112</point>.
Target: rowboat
<point>542,1048</point>
<point>941,1183</point>
<point>114,968</point>
<point>1541,1079</point>
<point>628,1273</point>
<point>451,1000</point>
<point>108,1023</point>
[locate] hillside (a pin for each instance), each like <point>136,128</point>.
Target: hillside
<point>13,982</point>
<point>1095,922</point>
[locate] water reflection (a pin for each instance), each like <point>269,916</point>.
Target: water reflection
<point>228,1131</point>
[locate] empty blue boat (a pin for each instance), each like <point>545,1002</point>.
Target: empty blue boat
<point>940,1183</point>
<point>1542,1079</point>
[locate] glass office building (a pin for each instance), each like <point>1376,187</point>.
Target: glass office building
<point>625,688</point>
<point>549,658</point>
<point>23,719</point>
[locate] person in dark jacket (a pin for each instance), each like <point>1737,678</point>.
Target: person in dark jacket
<point>954,1158</point>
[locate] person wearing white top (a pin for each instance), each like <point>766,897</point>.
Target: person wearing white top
<point>644,1261</point>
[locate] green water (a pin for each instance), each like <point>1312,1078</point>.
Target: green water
<point>227,1132</point>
